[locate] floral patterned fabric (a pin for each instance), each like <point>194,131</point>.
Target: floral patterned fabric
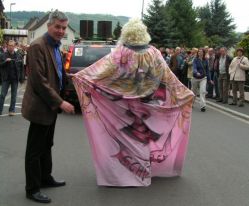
<point>137,115</point>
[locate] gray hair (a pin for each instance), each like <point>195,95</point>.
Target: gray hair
<point>225,49</point>
<point>57,15</point>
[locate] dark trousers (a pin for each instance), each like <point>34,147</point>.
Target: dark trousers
<point>38,159</point>
<point>210,87</point>
<point>216,84</point>
<point>238,85</point>
<point>5,87</point>
<point>190,83</point>
<point>223,87</point>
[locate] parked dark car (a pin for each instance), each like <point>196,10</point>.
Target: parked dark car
<point>79,57</point>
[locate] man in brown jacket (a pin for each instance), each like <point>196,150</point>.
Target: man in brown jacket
<point>41,103</point>
<point>223,69</point>
<point>176,63</point>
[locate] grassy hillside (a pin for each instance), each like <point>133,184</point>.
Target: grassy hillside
<point>22,17</point>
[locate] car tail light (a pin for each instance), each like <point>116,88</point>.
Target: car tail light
<point>96,46</point>
<point>67,63</point>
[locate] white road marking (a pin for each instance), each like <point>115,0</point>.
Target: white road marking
<point>226,112</point>
<point>230,115</point>
<point>6,115</point>
<point>7,105</point>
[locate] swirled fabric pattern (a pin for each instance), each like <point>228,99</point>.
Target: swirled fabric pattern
<point>137,115</point>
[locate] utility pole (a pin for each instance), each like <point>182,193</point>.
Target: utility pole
<point>11,4</point>
<point>142,13</point>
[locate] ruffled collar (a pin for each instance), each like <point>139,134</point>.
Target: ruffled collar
<point>137,47</point>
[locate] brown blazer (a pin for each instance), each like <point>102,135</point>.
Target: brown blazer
<point>173,65</point>
<point>42,98</point>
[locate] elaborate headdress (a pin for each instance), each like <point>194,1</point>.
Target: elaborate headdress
<point>134,32</point>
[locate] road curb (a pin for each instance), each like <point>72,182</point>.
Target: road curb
<point>227,110</point>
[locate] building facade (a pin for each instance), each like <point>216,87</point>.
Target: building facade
<point>39,28</point>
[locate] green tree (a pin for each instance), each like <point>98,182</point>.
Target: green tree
<point>218,24</point>
<point>117,31</point>
<point>244,43</point>
<point>184,28</point>
<point>155,20</point>
<point>174,24</point>
<point>204,14</point>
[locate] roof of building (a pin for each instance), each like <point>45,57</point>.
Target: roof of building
<point>31,22</point>
<point>1,6</point>
<point>42,21</point>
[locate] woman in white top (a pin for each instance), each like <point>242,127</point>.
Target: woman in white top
<point>237,71</point>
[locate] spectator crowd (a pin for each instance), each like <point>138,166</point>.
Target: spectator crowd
<point>210,73</point>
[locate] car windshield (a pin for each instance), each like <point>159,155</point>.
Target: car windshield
<point>85,56</point>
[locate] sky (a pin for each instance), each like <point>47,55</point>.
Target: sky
<point>131,8</point>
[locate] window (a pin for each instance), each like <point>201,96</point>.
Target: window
<point>32,35</point>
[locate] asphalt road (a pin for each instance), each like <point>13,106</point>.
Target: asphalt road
<point>216,169</point>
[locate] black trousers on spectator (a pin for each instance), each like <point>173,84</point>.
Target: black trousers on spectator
<point>38,159</point>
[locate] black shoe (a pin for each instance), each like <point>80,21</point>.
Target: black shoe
<point>224,102</point>
<point>241,105</point>
<point>203,109</point>
<point>53,183</point>
<point>219,100</point>
<point>38,197</point>
<point>233,103</point>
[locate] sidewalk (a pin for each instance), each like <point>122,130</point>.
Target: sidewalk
<point>246,96</point>
<point>241,112</point>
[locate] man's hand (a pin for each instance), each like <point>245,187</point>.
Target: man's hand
<point>211,82</point>
<point>67,107</point>
<point>8,60</point>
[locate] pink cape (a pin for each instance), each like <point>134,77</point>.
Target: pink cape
<point>137,115</point>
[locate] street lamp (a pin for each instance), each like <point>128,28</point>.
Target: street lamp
<point>142,13</point>
<point>11,4</point>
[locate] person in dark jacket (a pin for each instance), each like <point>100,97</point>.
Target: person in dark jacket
<point>211,58</point>
<point>42,100</point>
<point>224,63</point>
<point>176,63</point>
<point>216,74</point>
<point>11,68</point>
<point>201,75</point>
